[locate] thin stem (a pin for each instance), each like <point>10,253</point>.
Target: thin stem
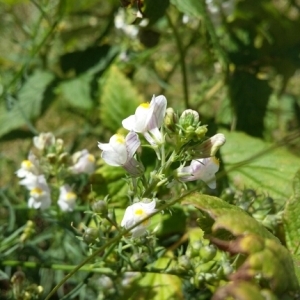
<point>114,241</point>
<point>181,61</point>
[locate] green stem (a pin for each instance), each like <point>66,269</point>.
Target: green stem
<point>181,61</point>
<point>114,241</point>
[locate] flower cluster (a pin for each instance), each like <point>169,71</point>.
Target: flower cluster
<point>47,167</point>
<point>174,139</point>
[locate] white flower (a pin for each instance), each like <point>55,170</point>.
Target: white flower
<point>67,198</point>
<point>120,151</point>
<point>203,169</point>
<point>28,166</point>
<point>44,140</point>
<point>147,119</point>
<point>84,162</point>
<point>39,191</point>
<point>135,213</point>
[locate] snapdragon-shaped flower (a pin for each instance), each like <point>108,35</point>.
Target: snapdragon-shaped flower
<point>84,162</point>
<point>135,213</point>
<point>120,151</point>
<point>200,169</point>
<point>28,166</point>
<point>147,120</point>
<point>44,140</point>
<point>67,198</point>
<point>39,191</point>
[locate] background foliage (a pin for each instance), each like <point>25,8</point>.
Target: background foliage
<point>77,68</point>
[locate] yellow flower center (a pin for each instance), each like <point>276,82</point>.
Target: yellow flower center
<point>26,164</point>
<point>141,213</point>
<point>36,191</point>
<point>91,158</point>
<point>145,105</point>
<point>70,196</point>
<point>119,138</point>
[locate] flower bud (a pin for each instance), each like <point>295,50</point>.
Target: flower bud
<point>189,118</point>
<point>100,207</point>
<point>201,131</point>
<point>63,157</point>
<point>51,158</point>
<point>207,253</point>
<point>90,235</point>
<point>193,249</point>
<point>59,145</point>
<point>184,263</point>
<point>170,119</point>
<point>138,261</point>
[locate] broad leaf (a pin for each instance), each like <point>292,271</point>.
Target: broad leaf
<point>252,163</point>
<point>159,286</point>
<point>227,216</point>
<point>189,7</point>
<point>119,99</point>
<point>28,104</point>
<point>77,91</point>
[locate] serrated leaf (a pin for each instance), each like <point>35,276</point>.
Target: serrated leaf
<point>269,173</point>
<point>76,91</point>
<point>189,7</point>
<point>28,104</point>
<point>119,99</point>
<point>226,216</point>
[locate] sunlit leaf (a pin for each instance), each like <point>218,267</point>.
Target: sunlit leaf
<point>159,286</point>
<point>270,173</point>
<point>28,104</point>
<point>119,99</point>
<point>77,91</point>
<point>227,216</point>
<point>189,7</point>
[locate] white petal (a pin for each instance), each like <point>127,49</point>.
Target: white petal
<point>129,123</point>
<point>112,158</point>
<point>132,143</point>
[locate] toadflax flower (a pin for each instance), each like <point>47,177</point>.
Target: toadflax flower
<point>67,198</point>
<point>135,213</point>
<point>147,119</point>
<point>120,151</point>
<point>84,162</point>
<point>200,169</point>
<point>39,191</point>
<point>28,166</point>
<point>44,140</point>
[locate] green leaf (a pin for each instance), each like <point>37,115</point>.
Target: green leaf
<point>189,7</point>
<point>155,9</point>
<point>159,286</point>
<point>291,220</point>
<point>76,91</point>
<point>119,99</point>
<point>28,104</point>
<point>226,216</point>
<point>243,290</point>
<point>252,163</point>
<point>266,255</point>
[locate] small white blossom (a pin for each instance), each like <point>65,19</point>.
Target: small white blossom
<point>67,199</point>
<point>44,140</point>
<point>135,213</point>
<point>120,151</point>
<point>39,191</point>
<point>147,119</point>
<point>84,162</point>
<point>201,169</point>
<point>28,166</point>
